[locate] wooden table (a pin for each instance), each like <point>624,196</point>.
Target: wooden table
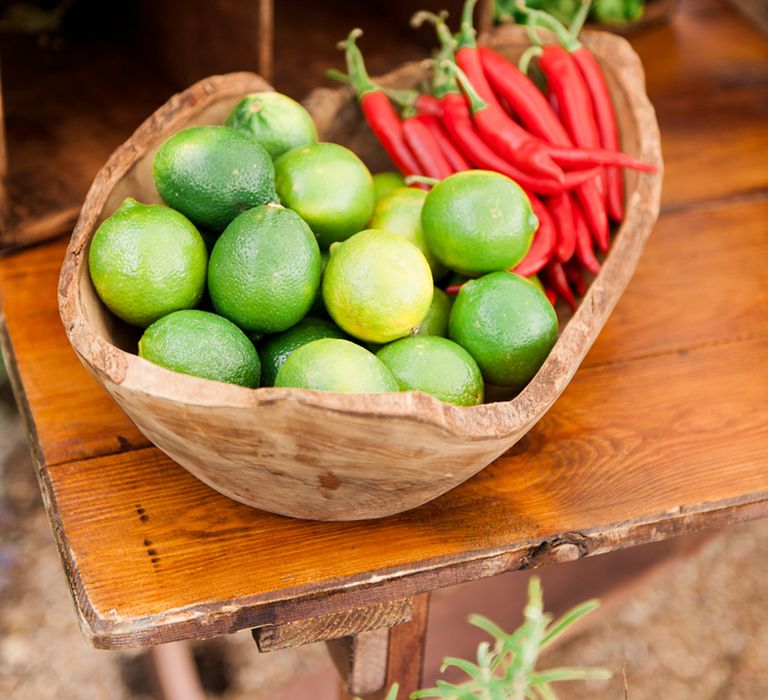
<point>664,429</point>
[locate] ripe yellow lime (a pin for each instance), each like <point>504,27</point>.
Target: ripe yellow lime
<point>399,211</point>
<point>377,286</point>
<point>478,221</point>
<point>333,364</point>
<point>506,323</point>
<point>329,187</point>
<point>201,344</point>
<point>436,366</point>
<point>264,270</point>
<point>146,261</point>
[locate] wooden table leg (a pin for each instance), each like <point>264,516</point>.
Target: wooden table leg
<point>404,657</point>
<point>176,672</point>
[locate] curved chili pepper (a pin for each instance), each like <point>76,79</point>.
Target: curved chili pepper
<point>590,157</point>
<point>561,208</point>
<point>584,251</point>
<point>526,100</point>
<point>505,135</point>
<point>559,282</point>
<point>575,278</point>
<point>377,109</point>
<point>459,126</point>
<point>425,148</point>
<point>544,241</point>
<point>452,154</point>
<point>468,57</point>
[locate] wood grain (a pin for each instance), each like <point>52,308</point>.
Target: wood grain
<point>664,433</point>
<point>333,626</point>
<point>319,455</point>
<point>707,76</point>
<point>361,661</point>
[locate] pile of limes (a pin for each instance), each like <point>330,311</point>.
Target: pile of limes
<point>278,260</point>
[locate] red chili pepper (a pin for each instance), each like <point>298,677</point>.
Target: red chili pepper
<point>458,124</point>
<point>544,241</point>
<point>551,295</point>
<point>378,110</point>
<point>525,99</point>
<point>556,277</point>
<point>453,289</point>
<point>575,278</point>
<point>561,208</point>
<point>506,136</point>
<point>452,154</point>
<point>425,148</point>
<point>590,157</point>
<point>584,251</point>
<point>468,57</point>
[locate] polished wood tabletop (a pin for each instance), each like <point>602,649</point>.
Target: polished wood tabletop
<point>663,430</point>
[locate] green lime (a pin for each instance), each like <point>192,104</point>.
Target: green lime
<point>436,366</point>
<point>318,307</point>
<point>477,221</point>
<point>213,173</point>
<point>400,212</point>
<point>506,323</point>
<point>385,182</point>
<point>265,270</point>
<point>276,349</point>
<point>332,364</point>
<point>329,186</point>
<point>436,320</point>
<point>201,344</point>
<point>274,120</point>
<point>147,260</point>
<point>377,286</point>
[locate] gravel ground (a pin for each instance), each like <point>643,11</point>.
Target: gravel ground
<point>699,631</point>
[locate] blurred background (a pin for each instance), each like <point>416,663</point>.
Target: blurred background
<point>681,619</point>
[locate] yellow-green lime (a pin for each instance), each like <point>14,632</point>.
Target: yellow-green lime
<point>264,270</point>
<point>332,364</point>
<point>436,366</point>
<point>213,173</point>
<point>274,120</point>
<point>436,320</point>
<point>478,221</point>
<point>399,212</point>
<point>329,186</point>
<point>146,261</point>
<point>377,286</point>
<point>201,344</point>
<point>276,349</point>
<point>385,182</point>
<point>506,323</point>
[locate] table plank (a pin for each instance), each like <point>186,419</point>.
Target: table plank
<point>610,453</point>
<point>707,76</point>
<point>66,409</point>
<point>702,280</point>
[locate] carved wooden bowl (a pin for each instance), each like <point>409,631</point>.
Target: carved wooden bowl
<point>322,455</point>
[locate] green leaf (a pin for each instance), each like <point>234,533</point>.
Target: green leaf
<point>546,692</point>
<point>468,667</point>
<point>392,694</point>
<point>570,673</point>
<point>563,623</point>
<point>488,626</point>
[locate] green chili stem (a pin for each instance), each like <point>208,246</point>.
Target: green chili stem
<point>476,103</point>
<point>358,75</point>
<point>579,18</point>
<point>466,35</point>
<point>525,60</point>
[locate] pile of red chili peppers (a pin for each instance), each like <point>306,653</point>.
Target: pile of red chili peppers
<point>561,147</point>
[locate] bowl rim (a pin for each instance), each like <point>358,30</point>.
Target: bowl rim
<point>487,421</point>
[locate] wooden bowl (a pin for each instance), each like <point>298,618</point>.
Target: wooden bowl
<point>320,455</point>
